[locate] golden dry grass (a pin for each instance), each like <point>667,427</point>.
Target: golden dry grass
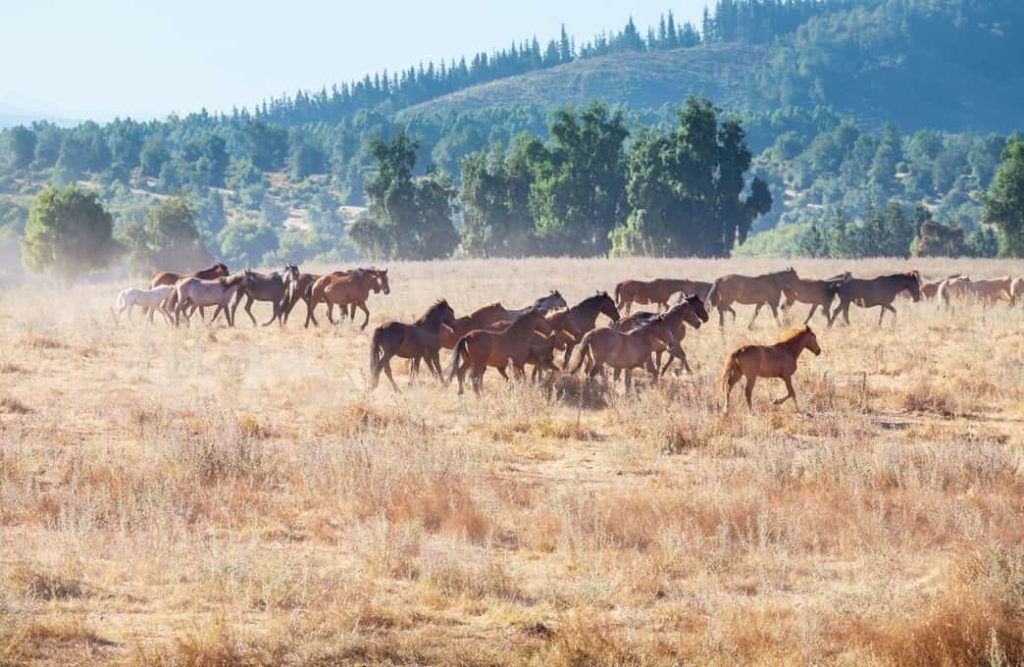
<point>208,496</point>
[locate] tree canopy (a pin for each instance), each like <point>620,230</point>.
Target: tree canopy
<point>68,233</point>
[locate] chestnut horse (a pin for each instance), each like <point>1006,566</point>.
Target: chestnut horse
<point>768,361</point>
<point>481,348</point>
<point>987,292</point>
<point>624,351</point>
<point>419,340</point>
<point>481,318</point>
<point>350,288</point>
<point>657,291</point>
<point>818,293</point>
<point>576,321</point>
<point>871,292</point>
<point>690,311</point>
<point>756,291</point>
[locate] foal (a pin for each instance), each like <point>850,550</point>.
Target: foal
<point>768,361</point>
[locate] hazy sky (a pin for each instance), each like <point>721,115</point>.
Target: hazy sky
<point>104,58</point>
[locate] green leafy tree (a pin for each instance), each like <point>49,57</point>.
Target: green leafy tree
<point>21,143</point>
<point>686,188</point>
<point>1004,201</point>
<point>68,233</point>
<point>48,141</point>
<point>173,236</point>
<point>246,241</point>
<point>152,157</point>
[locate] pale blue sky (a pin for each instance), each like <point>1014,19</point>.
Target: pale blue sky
<point>103,58</point>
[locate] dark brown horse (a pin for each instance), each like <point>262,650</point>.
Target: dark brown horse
<point>768,361</point>
<point>479,349</point>
<point>624,351</point>
<point>481,318</point>
<point>871,292</point>
<point>301,291</point>
<point>657,291</point>
<point>351,288</point>
<point>755,291</point>
<point>581,318</point>
<point>818,293</point>
<point>273,287</point>
<point>690,311</point>
<point>419,340</point>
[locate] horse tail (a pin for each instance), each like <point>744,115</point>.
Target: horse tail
<point>713,296</point>
<point>732,371</point>
<point>121,301</point>
<point>582,352</point>
<point>457,352</point>
<point>375,341</point>
<point>618,295</point>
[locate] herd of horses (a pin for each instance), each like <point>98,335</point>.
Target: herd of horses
<point>494,336</point>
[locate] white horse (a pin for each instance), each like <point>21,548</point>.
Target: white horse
<point>193,293</point>
<point>150,300</point>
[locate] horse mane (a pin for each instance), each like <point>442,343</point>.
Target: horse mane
<point>488,308</point>
<point>434,307</point>
<point>793,334</point>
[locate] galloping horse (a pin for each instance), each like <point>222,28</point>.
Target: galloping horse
<point>871,292</point>
<point>480,348</point>
<point>815,292</point>
<point>273,287</point>
<point>419,340</point>
<point>690,311</point>
<point>352,288</point>
<point>624,351</point>
<point>750,290</point>
<point>149,300</point>
<point>581,318</point>
<point>768,361</point>
<point>657,291</point>
<point>197,293</point>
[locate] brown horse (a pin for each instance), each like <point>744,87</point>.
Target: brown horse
<point>768,361</point>
<point>624,351</point>
<point>480,348</point>
<point>542,347</point>
<point>690,311</point>
<point>419,340</point>
<point>351,288</point>
<point>818,293</point>
<point>581,318</point>
<point>871,292</point>
<point>481,318</point>
<point>755,291</point>
<point>659,291</point>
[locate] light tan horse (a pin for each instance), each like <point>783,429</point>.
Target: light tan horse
<point>986,291</point>
<point>498,349</point>
<point>193,293</point>
<point>351,288</point>
<point>218,270</point>
<point>624,351</point>
<point>658,291</point>
<point>768,361</point>
<point>755,291</point>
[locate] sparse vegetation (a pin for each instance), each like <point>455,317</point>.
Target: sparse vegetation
<point>176,497</point>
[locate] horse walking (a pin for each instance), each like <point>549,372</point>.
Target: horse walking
<point>988,292</point>
<point>690,311</point>
<point>818,293</point>
<point>198,293</point>
<point>757,291</point>
<point>768,361</point>
<point>658,291</point>
<point>273,287</point>
<point>498,349</point>
<point>872,292</point>
<point>624,351</point>
<point>218,270</point>
<point>419,340</point>
<point>351,288</point>
<point>574,322</point>
<point>149,300</point>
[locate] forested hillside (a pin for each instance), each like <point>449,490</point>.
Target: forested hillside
<point>847,109</point>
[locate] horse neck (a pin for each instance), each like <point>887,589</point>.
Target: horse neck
<point>587,310</point>
<point>795,347</point>
<point>523,323</point>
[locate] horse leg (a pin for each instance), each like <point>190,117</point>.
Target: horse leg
<point>477,376</point>
<point>881,314</point>
<point>366,312</point>
<point>248,311</point>
<point>275,316</point>
<point>503,372</point>
<point>790,393</point>
<point>757,309</point>
<point>721,317</point>
<point>629,379</point>
<point>814,309</point>
<point>749,391</point>
<point>775,313</point>
<point>386,364</point>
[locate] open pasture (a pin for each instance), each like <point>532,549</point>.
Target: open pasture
<point>214,496</point>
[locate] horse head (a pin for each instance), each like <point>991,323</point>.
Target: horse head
<point>381,283</point>
<point>810,341</point>
<point>914,285</point>
<point>695,302</point>
<point>608,306</point>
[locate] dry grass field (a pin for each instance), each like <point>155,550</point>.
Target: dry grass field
<point>207,496</point>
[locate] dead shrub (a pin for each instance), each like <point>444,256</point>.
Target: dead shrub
<point>39,342</point>
<point>439,505</point>
<point>12,406</point>
<point>45,585</point>
<point>578,392</point>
